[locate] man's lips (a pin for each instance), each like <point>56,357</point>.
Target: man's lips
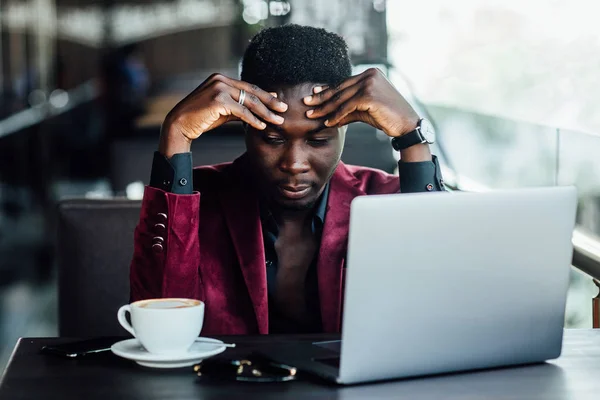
<point>294,192</point>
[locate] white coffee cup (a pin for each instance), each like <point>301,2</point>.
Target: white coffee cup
<point>164,326</point>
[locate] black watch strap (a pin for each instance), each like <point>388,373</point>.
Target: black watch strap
<point>408,139</point>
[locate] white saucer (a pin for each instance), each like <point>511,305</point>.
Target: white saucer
<point>131,349</point>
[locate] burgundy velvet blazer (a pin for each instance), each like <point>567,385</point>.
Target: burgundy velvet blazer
<point>213,250</point>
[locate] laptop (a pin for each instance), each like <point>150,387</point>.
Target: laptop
<point>447,282</point>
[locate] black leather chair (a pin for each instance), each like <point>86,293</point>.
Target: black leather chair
<point>95,246</point>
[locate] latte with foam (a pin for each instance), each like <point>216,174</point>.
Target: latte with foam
<point>164,326</point>
<point>168,303</point>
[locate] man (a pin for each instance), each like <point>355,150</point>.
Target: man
<point>262,240</point>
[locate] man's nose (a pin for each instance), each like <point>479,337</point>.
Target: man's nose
<point>294,160</point>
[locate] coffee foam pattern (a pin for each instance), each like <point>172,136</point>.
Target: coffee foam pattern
<point>167,304</point>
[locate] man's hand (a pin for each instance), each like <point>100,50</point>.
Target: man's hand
<point>212,104</point>
<point>368,97</point>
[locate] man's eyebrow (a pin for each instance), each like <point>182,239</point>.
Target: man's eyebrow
<point>274,127</point>
<point>317,130</point>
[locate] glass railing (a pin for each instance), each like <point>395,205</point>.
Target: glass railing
<point>483,152</point>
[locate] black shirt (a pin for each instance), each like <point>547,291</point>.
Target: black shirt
<point>278,323</point>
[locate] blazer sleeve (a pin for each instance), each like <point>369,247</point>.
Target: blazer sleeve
<point>166,246</point>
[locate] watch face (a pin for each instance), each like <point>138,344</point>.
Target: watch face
<point>427,131</point>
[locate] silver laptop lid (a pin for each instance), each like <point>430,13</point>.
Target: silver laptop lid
<point>442,282</point>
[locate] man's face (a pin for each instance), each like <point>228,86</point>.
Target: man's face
<point>294,161</point>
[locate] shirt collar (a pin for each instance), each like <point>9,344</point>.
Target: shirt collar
<point>320,210</point>
<point>321,207</point>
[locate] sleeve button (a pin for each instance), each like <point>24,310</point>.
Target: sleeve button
<point>429,187</point>
<point>160,228</point>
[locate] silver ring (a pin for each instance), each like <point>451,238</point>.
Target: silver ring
<point>242,97</point>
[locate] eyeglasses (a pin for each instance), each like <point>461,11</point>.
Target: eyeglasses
<point>255,368</point>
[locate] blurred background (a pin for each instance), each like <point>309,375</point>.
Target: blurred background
<point>84,86</point>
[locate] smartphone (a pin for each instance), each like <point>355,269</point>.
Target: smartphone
<point>82,347</point>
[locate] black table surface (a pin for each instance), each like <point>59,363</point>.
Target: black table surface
<point>30,375</point>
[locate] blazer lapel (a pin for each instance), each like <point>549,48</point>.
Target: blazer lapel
<point>240,206</point>
<point>344,187</point>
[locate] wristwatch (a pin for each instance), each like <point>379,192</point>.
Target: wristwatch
<point>423,133</point>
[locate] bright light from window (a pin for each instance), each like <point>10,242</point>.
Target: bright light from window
<point>36,98</point>
<point>255,11</point>
<point>59,98</point>
<point>279,8</point>
<point>379,5</point>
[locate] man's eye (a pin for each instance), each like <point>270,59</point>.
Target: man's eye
<point>318,142</point>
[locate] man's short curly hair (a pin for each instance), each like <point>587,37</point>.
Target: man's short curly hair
<point>290,55</point>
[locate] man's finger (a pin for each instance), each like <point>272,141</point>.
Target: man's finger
<point>333,102</point>
<point>253,103</point>
<point>265,97</point>
<point>244,114</point>
<point>324,95</point>
<point>344,112</point>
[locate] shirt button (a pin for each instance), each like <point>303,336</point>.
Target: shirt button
<point>157,248</point>
<point>158,240</point>
<point>167,183</point>
<point>183,181</point>
<point>429,187</point>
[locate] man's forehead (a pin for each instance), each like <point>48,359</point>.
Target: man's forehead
<point>296,90</point>
<point>295,116</point>
<point>293,95</point>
